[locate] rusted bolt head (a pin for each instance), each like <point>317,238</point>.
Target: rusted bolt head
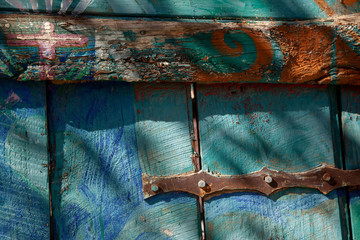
<point>154,188</point>
<point>326,177</point>
<point>201,184</point>
<point>268,179</point>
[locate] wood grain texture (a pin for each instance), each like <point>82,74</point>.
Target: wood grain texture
<point>295,214</point>
<point>163,128</point>
<point>308,52</point>
<point>24,195</point>
<point>350,98</point>
<point>246,127</point>
<point>97,188</point>
<point>284,9</point>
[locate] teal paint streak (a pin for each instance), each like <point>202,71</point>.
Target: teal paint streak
<point>97,184</point>
<point>24,196</point>
<point>333,70</point>
<point>285,9</point>
<point>246,127</point>
<point>199,47</point>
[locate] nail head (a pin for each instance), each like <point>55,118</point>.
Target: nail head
<point>326,177</point>
<point>154,188</point>
<point>201,184</point>
<point>268,179</point>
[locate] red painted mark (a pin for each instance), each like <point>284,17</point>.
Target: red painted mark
<point>47,40</point>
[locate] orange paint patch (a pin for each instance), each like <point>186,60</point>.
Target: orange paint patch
<point>349,2</point>
<point>307,53</point>
<point>217,41</point>
<point>348,64</point>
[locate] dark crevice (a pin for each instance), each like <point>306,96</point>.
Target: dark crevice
<point>49,153</point>
<point>339,156</point>
<point>162,17</point>
<point>347,205</point>
<point>197,153</point>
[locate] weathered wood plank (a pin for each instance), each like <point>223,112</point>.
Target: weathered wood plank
<point>91,49</point>
<point>246,127</point>
<point>163,128</point>
<point>24,195</point>
<point>285,9</point>
<point>350,98</point>
<point>97,187</point>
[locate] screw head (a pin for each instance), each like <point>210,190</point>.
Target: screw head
<point>268,179</point>
<point>154,188</point>
<point>201,184</point>
<point>326,177</point>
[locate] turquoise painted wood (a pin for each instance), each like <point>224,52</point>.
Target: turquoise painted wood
<point>163,128</point>
<point>350,101</point>
<point>24,195</point>
<point>294,9</point>
<point>246,127</point>
<point>97,134</point>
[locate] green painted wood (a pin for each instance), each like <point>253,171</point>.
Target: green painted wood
<point>24,195</point>
<point>246,127</point>
<point>350,98</point>
<point>97,188</point>
<point>163,128</point>
<point>96,49</point>
<point>293,9</point>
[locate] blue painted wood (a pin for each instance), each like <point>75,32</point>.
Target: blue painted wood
<point>97,187</point>
<point>290,214</point>
<point>246,127</point>
<point>24,195</point>
<point>350,99</point>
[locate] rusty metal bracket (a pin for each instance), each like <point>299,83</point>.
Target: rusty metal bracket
<point>324,178</point>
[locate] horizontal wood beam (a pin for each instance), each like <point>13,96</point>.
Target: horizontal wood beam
<point>39,47</point>
<point>277,9</point>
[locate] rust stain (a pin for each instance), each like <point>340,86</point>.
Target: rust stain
<point>324,178</point>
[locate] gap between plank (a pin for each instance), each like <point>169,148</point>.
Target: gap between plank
<point>50,162</point>
<point>197,155</point>
<point>339,155</point>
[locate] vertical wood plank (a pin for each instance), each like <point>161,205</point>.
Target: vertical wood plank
<point>246,127</point>
<point>97,187</point>
<point>24,196</point>
<point>350,102</point>
<point>163,129</point>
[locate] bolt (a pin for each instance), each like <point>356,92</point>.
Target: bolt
<point>326,177</point>
<point>154,188</point>
<point>268,179</point>
<point>201,184</point>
